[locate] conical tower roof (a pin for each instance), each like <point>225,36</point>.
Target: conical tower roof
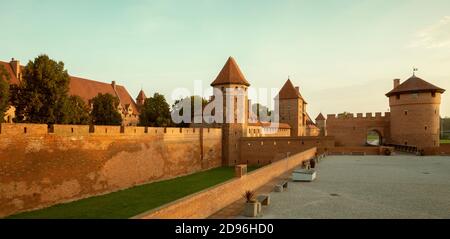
<point>289,92</point>
<point>230,74</point>
<point>320,117</point>
<point>415,85</point>
<point>141,96</point>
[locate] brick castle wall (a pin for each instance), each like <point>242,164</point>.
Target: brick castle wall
<point>352,131</point>
<point>40,169</point>
<point>266,150</point>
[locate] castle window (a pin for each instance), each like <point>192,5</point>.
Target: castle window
<point>406,112</point>
<point>414,96</point>
<point>406,142</point>
<point>398,96</point>
<point>25,130</point>
<point>426,128</point>
<point>433,94</point>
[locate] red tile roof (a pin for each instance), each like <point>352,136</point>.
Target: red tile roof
<point>87,89</point>
<point>141,96</point>
<point>289,92</point>
<point>230,74</point>
<point>415,85</point>
<point>13,79</point>
<point>320,117</point>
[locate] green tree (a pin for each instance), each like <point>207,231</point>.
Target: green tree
<point>261,111</point>
<point>155,112</point>
<point>105,110</point>
<point>194,100</point>
<point>76,111</point>
<point>4,92</point>
<point>41,96</point>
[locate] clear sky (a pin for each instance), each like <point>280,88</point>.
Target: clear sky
<point>343,53</point>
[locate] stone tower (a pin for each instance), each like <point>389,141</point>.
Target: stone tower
<point>140,100</point>
<point>233,86</point>
<point>321,124</point>
<point>292,108</point>
<point>415,106</point>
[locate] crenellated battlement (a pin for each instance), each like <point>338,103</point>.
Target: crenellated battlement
<point>349,116</point>
<point>99,130</point>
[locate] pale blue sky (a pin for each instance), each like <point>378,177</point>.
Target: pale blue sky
<point>343,53</point>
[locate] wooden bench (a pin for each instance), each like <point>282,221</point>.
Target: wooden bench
<point>263,199</point>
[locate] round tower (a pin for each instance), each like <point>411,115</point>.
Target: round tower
<point>415,116</point>
<point>233,87</point>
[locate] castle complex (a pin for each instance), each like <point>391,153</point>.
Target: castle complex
<point>413,121</point>
<point>40,167</point>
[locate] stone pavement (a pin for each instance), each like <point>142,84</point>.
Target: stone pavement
<point>402,186</point>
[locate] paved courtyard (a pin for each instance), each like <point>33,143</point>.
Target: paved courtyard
<point>369,187</point>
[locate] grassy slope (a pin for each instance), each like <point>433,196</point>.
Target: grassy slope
<point>445,141</point>
<point>136,200</point>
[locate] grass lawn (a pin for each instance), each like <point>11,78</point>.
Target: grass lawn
<point>445,141</point>
<point>136,200</point>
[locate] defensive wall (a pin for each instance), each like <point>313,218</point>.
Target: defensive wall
<point>207,202</point>
<point>350,131</point>
<point>41,166</point>
<point>266,150</point>
<point>443,149</point>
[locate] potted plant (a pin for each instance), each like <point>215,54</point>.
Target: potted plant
<point>312,162</point>
<point>251,204</point>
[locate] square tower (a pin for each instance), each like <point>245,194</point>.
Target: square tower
<point>292,108</point>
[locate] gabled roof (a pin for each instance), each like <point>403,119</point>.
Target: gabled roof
<point>320,117</point>
<point>86,89</point>
<point>13,79</point>
<point>289,92</point>
<point>141,95</point>
<point>230,74</point>
<point>415,85</point>
<point>309,120</point>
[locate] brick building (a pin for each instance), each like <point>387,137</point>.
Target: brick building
<point>413,120</point>
<point>86,89</point>
<point>294,120</point>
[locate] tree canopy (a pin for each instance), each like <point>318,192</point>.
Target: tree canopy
<point>76,111</point>
<point>192,101</point>
<point>41,96</point>
<point>155,112</point>
<point>105,110</point>
<point>4,92</point>
<point>262,112</point>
